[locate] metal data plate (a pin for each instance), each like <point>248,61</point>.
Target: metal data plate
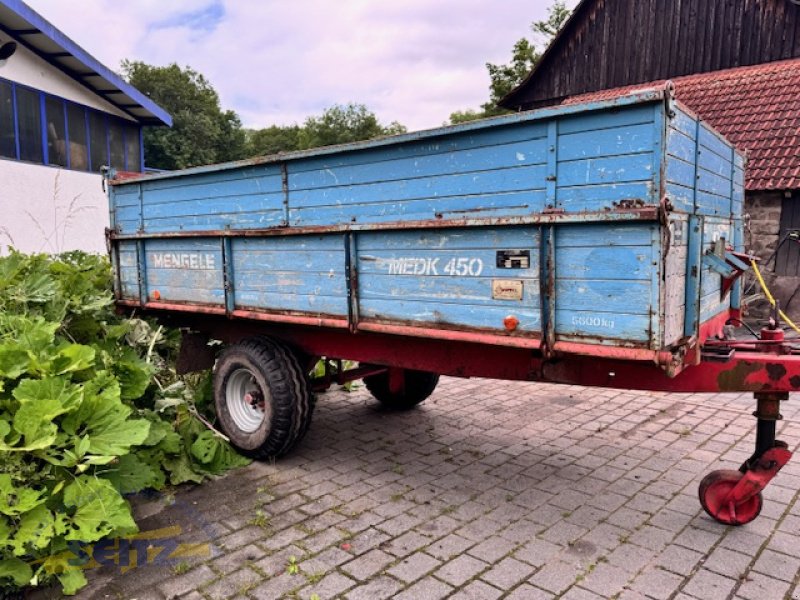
<point>507,289</point>
<point>513,259</point>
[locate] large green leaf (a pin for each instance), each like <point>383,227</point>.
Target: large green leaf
<point>41,401</point>
<point>72,580</point>
<point>104,418</point>
<point>15,569</point>
<point>99,510</point>
<point>72,357</point>
<point>35,530</point>
<point>15,500</point>
<point>131,474</point>
<point>14,360</point>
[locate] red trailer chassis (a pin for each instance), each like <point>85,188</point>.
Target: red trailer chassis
<point>769,367</point>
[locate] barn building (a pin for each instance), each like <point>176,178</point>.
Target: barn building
<point>735,63</point>
<point>63,116</point>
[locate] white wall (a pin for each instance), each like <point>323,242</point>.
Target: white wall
<point>28,69</point>
<point>46,209</point>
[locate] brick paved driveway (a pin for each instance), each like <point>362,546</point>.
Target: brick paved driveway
<point>488,490</point>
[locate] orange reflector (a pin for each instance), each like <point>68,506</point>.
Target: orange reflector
<point>156,295</point>
<point>511,322</point>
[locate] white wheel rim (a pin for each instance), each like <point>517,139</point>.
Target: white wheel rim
<point>247,403</point>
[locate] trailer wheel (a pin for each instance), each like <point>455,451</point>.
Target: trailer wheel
<point>713,492</point>
<point>414,387</point>
<point>262,397</point>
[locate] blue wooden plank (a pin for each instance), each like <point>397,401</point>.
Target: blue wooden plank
<point>311,304</point>
<point>519,154</point>
<point>713,183</point>
<point>445,186</point>
<point>629,297</point>
<point>595,121</point>
<point>681,197</point>
<point>711,161</point>
<point>712,204</point>
<point>238,175</point>
<point>327,243</point>
<point>632,139</point>
<point>460,238</point>
<point>605,196</point>
<point>617,263</point>
<point>127,214</point>
<point>245,204</point>
<point>213,192</point>
<point>683,122</point>
<point>711,140</point>
<point>278,260</point>
<point>680,172</point>
<point>680,145</point>
<point>448,290</point>
<point>605,234</point>
<point>296,281</point>
<point>613,326</point>
<point>738,160</point>
<point>490,205</point>
<point>213,222</point>
<point>479,262</point>
<point>434,147</point>
<point>424,312</point>
<point>615,169</point>
<point>124,196</point>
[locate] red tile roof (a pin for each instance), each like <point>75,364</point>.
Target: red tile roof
<point>757,108</point>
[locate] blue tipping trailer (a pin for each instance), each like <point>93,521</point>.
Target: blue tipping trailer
<point>597,243</point>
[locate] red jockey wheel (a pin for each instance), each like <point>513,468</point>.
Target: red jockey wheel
<point>723,506</point>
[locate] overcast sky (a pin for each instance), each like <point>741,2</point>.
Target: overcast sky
<point>279,61</point>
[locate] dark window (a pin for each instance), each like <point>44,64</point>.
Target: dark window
<point>132,148</point>
<point>29,119</point>
<point>8,139</point>
<point>76,122</point>
<point>56,131</point>
<point>117,144</point>
<point>787,260</point>
<point>98,142</point>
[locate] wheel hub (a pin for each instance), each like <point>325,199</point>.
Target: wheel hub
<point>245,400</point>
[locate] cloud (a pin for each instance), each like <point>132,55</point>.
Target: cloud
<point>278,62</point>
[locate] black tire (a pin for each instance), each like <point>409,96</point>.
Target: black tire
<point>418,386</point>
<point>272,426</point>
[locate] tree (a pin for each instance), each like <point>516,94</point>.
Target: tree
<point>343,123</point>
<point>524,56</point>
<point>273,139</point>
<point>202,133</point>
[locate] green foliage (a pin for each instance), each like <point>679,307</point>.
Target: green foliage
<point>202,133</point>
<point>90,409</point>
<point>524,56</point>
<point>339,124</point>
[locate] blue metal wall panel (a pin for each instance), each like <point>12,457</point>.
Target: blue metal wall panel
<point>128,271</point>
<point>445,277</point>
<point>604,283</point>
<point>299,274</point>
<point>187,270</point>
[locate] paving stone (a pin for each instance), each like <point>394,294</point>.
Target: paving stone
<point>379,588</point>
<point>427,589</point>
<point>477,590</point>
<point>239,581</point>
<point>414,567</point>
<point>277,587</point>
<point>461,569</point>
<point>657,583</point>
<point>727,562</point>
<point>182,584</point>
<point>492,549</point>
<point>555,576</point>
<point>757,586</point>
<point>449,546</point>
<point>606,580</point>
<point>330,586</point>
<point>529,592</point>
<point>708,585</point>
<point>368,564</point>
<point>235,560</point>
<point>779,566</point>
<point>507,573</point>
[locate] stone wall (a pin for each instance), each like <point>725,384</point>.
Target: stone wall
<point>762,230</point>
